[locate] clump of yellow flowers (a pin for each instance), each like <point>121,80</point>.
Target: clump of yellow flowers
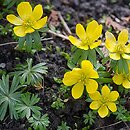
<point>119,50</point>
<point>29,20</point>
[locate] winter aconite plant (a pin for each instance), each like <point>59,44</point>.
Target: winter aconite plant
<point>27,25</point>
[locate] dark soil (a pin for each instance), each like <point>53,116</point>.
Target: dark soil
<point>79,11</point>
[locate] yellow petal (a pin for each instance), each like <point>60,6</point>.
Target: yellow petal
<point>103,111</point>
<point>105,91</point>
<point>75,41</point>
<point>96,33</point>
<point>127,48</point>
<point>95,44</point>
<point>37,12</point>
<point>95,96</point>
<point>112,106</point>
<point>118,79</point>
<point>95,105</point>
<point>40,23</point>
<point>14,20</point>
<point>123,36</point>
<point>86,66</point>
<point>80,32</point>
<point>29,30</point>
<point>126,84</point>
<point>113,96</point>
<point>93,74</point>
<point>85,47</point>
<point>77,90</point>
<point>91,86</point>
<point>110,41</point>
<point>91,28</point>
<point>19,31</point>
<point>125,56</point>
<point>71,78</point>
<point>115,56</point>
<point>24,10</point>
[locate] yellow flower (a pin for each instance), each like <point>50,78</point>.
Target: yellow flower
<point>88,38</point>
<point>118,49</point>
<point>123,79</point>
<point>104,101</point>
<point>80,77</point>
<point>28,20</point>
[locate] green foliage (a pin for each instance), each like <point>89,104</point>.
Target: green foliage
<point>63,126</point>
<point>9,96</point>
<point>39,122</point>
<point>122,114</point>
<point>89,118</point>
<point>58,104</point>
<point>27,106</point>
<point>4,30</point>
<point>29,74</point>
<point>10,3</point>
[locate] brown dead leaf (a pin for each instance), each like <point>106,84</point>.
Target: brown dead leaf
<point>54,18</point>
<point>38,86</point>
<point>126,19</point>
<point>115,25</point>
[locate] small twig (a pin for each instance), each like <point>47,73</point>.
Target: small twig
<point>58,34</point>
<point>64,23</point>
<point>38,57</point>
<point>108,125</point>
<point>9,43</point>
<point>126,125</point>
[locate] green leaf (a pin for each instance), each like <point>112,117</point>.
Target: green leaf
<point>99,52</point>
<point>104,80</point>
<point>125,66</point>
<point>28,45</point>
<point>37,41</point>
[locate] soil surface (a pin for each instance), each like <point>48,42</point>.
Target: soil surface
<point>73,12</point>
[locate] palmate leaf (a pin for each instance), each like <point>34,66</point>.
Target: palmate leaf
<point>39,122</point>
<point>27,105</point>
<point>30,74</point>
<point>9,96</point>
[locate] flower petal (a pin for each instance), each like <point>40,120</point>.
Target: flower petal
<point>29,30</point>
<point>125,56</point>
<point>80,32</point>
<point>127,48</point>
<point>112,106</point>
<point>40,23</point>
<point>24,10</point>
<point>95,44</point>
<point>86,65</point>
<point>110,42</point>
<point>37,12</point>
<point>93,74</point>
<point>103,111</point>
<point>91,86</point>
<point>115,56</point>
<point>123,36</point>
<point>71,77</point>
<point>84,47</point>
<point>96,33</point>
<point>126,84</point>
<point>95,105</point>
<point>113,96</point>
<point>95,96</point>
<point>14,20</point>
<point>91,28</point>
<point>105,91</point>
<point>77,90</point>
<point>19,31</point>
<point>74,41</point>
<point>118,79</point>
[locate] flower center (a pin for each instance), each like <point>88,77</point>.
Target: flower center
<point>120,48</point>
<point>104,99</point>
<point>28,23</point>
<point>86,41</point>
<point>83,79</point>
